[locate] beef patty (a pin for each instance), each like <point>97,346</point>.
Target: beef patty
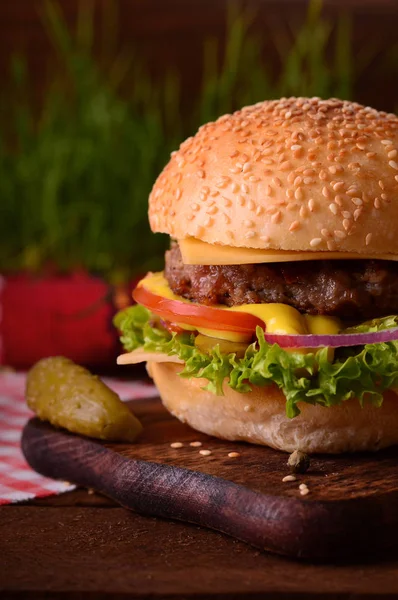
<point>351,289</point>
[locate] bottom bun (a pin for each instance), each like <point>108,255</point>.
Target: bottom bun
<point>259,416</point>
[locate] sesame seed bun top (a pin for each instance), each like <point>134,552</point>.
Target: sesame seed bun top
<point>290,174</point>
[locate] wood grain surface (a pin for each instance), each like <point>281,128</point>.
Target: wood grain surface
<point>243,496</point>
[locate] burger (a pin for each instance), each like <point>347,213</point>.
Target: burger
<point>275,320</point>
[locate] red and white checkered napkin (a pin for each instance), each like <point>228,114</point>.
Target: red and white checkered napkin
<point>17,480</point>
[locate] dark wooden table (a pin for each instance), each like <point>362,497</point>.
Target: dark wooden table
<point>82,545</point>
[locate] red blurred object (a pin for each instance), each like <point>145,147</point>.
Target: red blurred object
<point>59,315</point>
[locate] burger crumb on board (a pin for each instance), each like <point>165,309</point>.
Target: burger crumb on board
<point>298,462</point>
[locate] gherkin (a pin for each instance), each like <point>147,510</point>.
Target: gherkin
<point>69,396</point>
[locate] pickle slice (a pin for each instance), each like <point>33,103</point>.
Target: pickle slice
<point>206,343</point>
<point>69,396</point>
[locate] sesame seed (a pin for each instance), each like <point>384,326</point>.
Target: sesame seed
<point>248,223</point>
<point>249,235</point>
<point>303,212</point>
<point>315,242</point>
<point>381,185</point>
<point>235,188</point>
<point>251,205</point>
<point>376,203</point>
<point>295,225</point>
<point>386,142</point>
<point>368,239</point>
<point>227,201</point>
<point>276,217</point>
<point>205,452</point>
<point>298,194</point>
<point>311,204</point>
<point>195,444</point>
<point>357,213</point>
<point>346,224</point>
<point>233,454</point>
<point>244,188</point>
<point>393,164</point>
<point>304,491</point>
<point>176,445</point>
<point>326,192</point>
<point>246,167</point>
<point>289,478</point>
<point>392,154</point>
<point>338,186</point>
<point>241,200</point>
<point>222,182</point>
<point>212,210</point>
<point>259,210</point>
<point>346,214</point>
<point>340,234</point>
<point>234,170</point>
<point>268,190</point>
<point>333,208</point>
<point>303,486</point>
<point>276,181</point>
<point>357,201</point>
<point>247,406</point>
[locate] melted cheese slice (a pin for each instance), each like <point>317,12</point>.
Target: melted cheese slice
<point>278,318</point>
<point>196,252</point>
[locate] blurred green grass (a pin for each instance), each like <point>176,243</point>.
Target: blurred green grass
<point>75,174</point>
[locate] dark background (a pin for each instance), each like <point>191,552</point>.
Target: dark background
<point>170,33</point>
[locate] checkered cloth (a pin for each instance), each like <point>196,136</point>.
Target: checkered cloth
<point>17,480</point>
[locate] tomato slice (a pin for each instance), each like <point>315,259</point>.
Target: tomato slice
<point>198,315</point>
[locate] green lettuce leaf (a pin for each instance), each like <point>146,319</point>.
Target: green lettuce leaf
<point>362,372</point>
<point>374,325</point>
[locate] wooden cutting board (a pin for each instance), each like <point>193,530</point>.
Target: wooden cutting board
<point>352,506</point>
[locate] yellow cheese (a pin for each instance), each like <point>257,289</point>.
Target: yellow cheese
<point>196,252</point>
<point>278,318</point>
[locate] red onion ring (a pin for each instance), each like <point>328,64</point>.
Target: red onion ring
<point>332,341</point>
